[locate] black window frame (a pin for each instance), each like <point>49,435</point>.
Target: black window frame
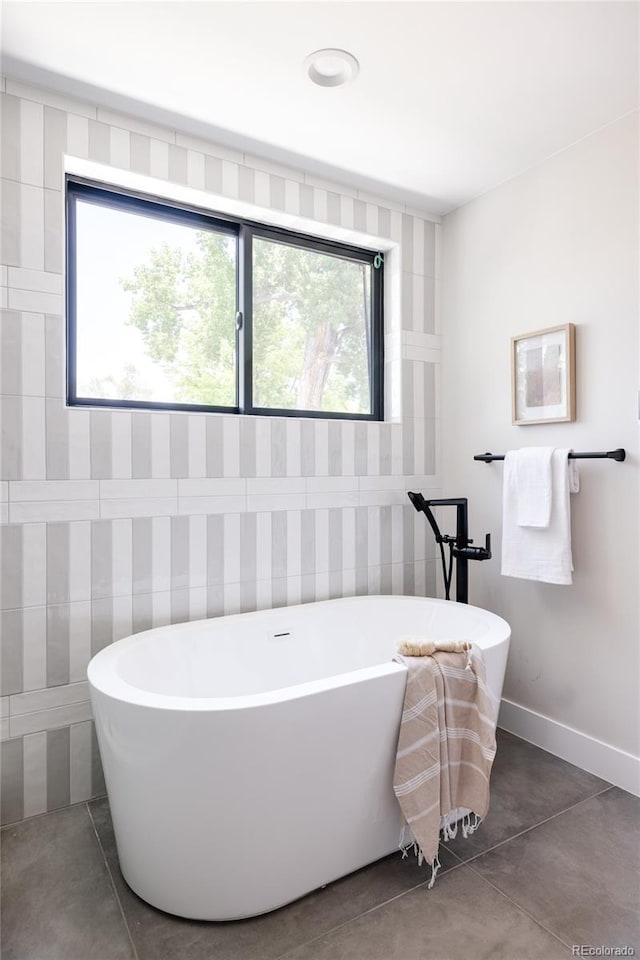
<point>80,188</point>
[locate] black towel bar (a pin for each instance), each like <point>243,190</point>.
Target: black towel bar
<point>618,455</point>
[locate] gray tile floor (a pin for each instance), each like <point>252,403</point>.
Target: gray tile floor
<point>556,863</point>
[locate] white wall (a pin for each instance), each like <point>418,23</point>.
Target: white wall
<point>557,244</point>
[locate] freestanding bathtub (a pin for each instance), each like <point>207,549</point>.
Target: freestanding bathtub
<point>249,759</point>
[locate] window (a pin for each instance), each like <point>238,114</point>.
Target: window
<point>174,308</point>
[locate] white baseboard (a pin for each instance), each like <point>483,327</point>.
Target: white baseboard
<point>611,764</point>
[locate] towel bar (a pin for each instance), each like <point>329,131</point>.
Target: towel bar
<point>619,454</point>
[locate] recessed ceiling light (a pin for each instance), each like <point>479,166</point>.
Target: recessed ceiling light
<point>331,68</point>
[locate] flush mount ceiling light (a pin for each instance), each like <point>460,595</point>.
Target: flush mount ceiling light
<point>331,68</point>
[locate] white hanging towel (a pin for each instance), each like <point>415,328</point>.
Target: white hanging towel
<point>536,552</point>
<point>532,466</point>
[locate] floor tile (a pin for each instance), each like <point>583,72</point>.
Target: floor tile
<point>578,874</point>
<point>461,918</point>
<point>528,785</point>
<point>159,936</point>
<point>57,898</point>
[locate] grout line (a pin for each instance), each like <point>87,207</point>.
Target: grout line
<point>521,908</point>
<point>534,826</point>
<point>46,813</point>
<point>456,866</point>
<point>331,930</point>
<point>113,886</point>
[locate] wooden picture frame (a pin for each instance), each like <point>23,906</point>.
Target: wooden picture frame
<point>543,379</point>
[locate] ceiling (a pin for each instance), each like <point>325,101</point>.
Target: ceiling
<point>452,99</point>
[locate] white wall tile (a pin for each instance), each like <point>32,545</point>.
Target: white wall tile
<point>294,590</point>
<point>230,179</point>
<point>34,560</point>
<point>195,169</point>
<point>348,539</point>
<point>211,505</point>
<point>197,603</point>
<point>381,498</point>
<point>33,438</point>
<point>43,490</point>
<point>79,639</point>
<point>161,609</point>
<point>32,143</point>
<point>322,539</point>
<point>35,774</point>
<point>277,169</point>
<point>121,557</point>
<point>79,444</point>
<point>276,501</point>
<point>372,218</point>
<point>292,197</point>
<point>198,551</point>
<point>331,484</point>
<point>263,547</point>
<point>161,540</point>
<point>134,489</point>
<point>32,300</point>
<point>321,434</point>
<point>320,202</point>
<point>122,617</point>
<point>231,599</point>
<point>231,446</point>
<point>48,697</point>
<point>159,159</point>
<point>49,97</point>
<point>80,762</point>
<point>52,510</point>
<point>373,449</point>
<point>31,245</point>
<point>212,487</point>
<point>121,444</point>
<point>294,543</point>
<point>348,498</point>
<point>33,355</point>
<point>134,124</point>
<point>293,448</point>
<point>273,485</point>
<point>208,147</point>
<point>120,148</point>
<point>34,656</point>
<point>231,549</point>
<point>262,193</point>
<point>164,507</point>
<point>160,446</point>
<point>374,535</point>
<point>197,447</point>
<point>263,446</point>
<point>77,136</point>
<point>49,719</point>
<point>263,594</point>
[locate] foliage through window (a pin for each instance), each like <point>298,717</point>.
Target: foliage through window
<point>175,308</point>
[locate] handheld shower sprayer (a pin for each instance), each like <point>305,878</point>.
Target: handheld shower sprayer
<point>460,547</point>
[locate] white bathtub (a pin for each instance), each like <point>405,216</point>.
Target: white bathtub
<point>249,759</point>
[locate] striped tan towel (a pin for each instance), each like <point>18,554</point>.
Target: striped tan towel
<point>445,750</point>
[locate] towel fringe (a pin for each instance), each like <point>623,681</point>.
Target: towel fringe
<point>449,823</point>
<point>435,866</point>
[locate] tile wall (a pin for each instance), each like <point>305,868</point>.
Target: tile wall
<point>117,521</point>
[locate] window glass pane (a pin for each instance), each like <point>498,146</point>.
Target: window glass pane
<point>311,330</point>
<point>156,305</point>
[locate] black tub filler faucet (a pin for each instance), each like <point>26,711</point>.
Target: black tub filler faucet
<point>459,546</point>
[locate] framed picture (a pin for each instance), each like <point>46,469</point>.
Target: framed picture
<point>543,375</point>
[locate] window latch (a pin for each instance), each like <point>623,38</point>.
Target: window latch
<point>239,320</point>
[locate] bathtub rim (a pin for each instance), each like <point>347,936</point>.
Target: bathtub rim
<point>104,678</point>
